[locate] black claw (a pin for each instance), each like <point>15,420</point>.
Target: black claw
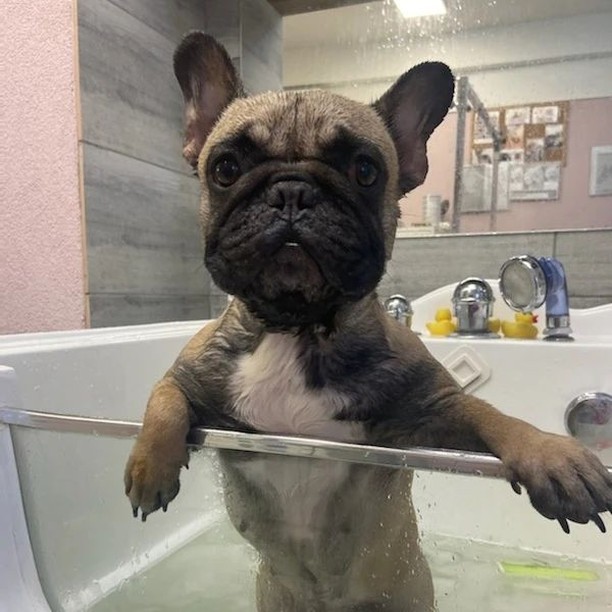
<point>597,520</point>
<point>564,525</point>
<point>135,511</point>
<point>144,516</point>
<point>516,487</point>
<point>165,508</point>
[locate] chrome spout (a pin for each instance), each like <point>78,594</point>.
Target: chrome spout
<point>473,306</point>
<point>399,307</point>
<point>527,282</point>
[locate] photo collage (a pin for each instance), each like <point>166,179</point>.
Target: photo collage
<point>533,150</point>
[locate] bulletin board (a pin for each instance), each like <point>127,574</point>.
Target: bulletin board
<point>533,133</point>
<point>535,145</point>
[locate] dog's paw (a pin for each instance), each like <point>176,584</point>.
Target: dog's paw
<point>152,478</point>
<point>564,480</point>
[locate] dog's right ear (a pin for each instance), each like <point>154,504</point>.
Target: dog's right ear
<point>209,82</point>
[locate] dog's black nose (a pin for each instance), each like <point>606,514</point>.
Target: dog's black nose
<point>291,196</point>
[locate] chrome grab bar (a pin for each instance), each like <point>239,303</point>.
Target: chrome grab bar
<point>456,462</point>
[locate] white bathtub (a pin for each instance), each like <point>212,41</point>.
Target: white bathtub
<point>81,542</point>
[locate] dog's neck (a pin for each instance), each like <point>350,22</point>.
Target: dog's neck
<point>350,315</point>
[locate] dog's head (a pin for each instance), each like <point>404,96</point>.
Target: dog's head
<point>300,189</point>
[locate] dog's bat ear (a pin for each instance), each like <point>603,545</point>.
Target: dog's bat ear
<point>209,82</point>
<point>412,108</point>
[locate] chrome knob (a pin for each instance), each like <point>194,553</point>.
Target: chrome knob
<point>398,307</point>
<point>473,306</point>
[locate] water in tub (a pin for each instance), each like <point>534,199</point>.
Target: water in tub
<point>216,572</point>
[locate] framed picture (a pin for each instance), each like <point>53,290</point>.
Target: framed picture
<point>518,116</point>
<point>545,114</point>
<point>481,134</point>
<point>535,182</point>
<point>601,171</point>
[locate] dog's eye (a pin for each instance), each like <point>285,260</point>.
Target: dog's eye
<point>226,171</point>
<point>366,171</point>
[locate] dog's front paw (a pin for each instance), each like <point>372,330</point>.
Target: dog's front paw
<point>565,481</point>
<point>152,477</point>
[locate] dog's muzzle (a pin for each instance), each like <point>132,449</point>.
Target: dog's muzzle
<point>294,249</point>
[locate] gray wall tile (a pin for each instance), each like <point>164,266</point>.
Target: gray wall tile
<point>129,97</point>
<point>171,19</point>
<point>262,46</point>
<point>589,302</point>
<point>587,258</point>
<point>223,22</point>
<point>142,227</point>
<point>140,204</point>
<point>134,309</point>
<point>420,265</point>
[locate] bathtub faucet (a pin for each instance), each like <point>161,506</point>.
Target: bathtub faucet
<point>527,282</point>
<point>399,307</point>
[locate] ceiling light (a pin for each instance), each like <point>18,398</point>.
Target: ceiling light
<point>420,8</point>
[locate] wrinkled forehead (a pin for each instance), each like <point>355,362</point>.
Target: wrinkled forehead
<point>300,124</point>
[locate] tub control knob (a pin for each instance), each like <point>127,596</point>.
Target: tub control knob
<point>473,306</point>
<point>399,307</point>
<point>589,419</point>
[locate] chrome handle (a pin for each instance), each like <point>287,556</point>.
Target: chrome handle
<point>399,307</point>
<point>473,306</point>
<point>434,460</point>
<point>478,464</point>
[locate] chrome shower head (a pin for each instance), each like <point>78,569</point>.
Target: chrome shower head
<point>522,283</point>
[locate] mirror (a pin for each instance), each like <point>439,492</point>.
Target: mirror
<point>537,75</point>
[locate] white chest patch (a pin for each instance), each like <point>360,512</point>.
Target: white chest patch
<point>270,394</point>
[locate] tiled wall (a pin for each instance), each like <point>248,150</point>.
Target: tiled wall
<point>422,264</point>
<point>144,252</point>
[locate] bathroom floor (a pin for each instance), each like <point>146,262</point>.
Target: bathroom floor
<point>467,576</point>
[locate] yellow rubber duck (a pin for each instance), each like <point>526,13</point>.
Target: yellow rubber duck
<point>443,325</point>
<point>522,326</point>
<point>494,325</point>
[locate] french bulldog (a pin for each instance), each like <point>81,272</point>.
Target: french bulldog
<point>299,209</point>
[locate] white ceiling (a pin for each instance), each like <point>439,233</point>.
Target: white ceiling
<point>381,21</point>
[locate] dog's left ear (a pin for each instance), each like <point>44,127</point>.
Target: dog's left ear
<point>412,108</point>
<point>209,83</point>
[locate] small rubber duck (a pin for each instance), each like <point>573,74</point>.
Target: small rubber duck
<point>494,325</point>
<point>443,325</point>
<point>522,326</point>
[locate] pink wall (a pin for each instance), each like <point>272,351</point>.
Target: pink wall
<point>590,124</point>
<point>440,178</point>
<point>41,238</point>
